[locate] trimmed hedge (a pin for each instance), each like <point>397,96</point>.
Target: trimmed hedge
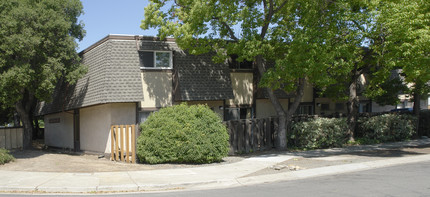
<point>318,133</point>
<point>183,134</point>
<point>5,157</point>
<point>388,127</point>
<point>332,132</point>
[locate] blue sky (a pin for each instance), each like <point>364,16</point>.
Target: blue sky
<point>103,17</point>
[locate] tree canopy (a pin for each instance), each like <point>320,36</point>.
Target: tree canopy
<point>37,48</point>
<point>403,41</point>
<point>328,44</point>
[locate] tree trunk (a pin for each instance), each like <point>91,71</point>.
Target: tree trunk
<point>416,109</point>
<point>281,140</point>
<point>24,109</point>
<point>298,97</point>
<point>353,104</point>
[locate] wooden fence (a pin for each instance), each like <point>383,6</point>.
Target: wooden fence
<point>11,137</point>
<point>123,143</point>
<point>252,135</point>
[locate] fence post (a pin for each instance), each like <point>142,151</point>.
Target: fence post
<point>248,135</point>
<point>269,132</point>
<point>240,136</point>
<point>133,144</point>
<point>275,131</point>
<point>116,143</point>
<point>257,133</point>
<point>127,143</point>
<point>112,142</point>
<point>122,142</point>
<point>231,132</point>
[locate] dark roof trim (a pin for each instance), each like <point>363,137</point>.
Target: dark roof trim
<point>124,37</point>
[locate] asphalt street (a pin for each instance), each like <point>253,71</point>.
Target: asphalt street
<point>402,180</point>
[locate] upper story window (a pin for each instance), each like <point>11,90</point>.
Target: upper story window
<point>234,64</point>
<point>155,59</point>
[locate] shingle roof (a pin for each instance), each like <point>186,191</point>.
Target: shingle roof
<point>113,76</point>
<point>201,79</point>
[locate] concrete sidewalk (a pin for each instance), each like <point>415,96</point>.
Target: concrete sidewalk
<point>253,170</point>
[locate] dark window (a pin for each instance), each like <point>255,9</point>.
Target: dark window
<point>158,59</point>
<point>234,64</point>
<point>364,107</point>
<point>237,113</point>
<point>305,109</point>
<point>243,113</point>
<point>162,59</point>
<point>233,114</point>
<point>146,59</point>
<point>340,106</point>
<point>325,107</point>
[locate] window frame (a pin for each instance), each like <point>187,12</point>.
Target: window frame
<point>154,53</point>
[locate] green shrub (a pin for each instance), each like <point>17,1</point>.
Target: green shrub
<point>183,134</point>
<point>388,127</point>
<point>318,133</point>
<point>5,157</point>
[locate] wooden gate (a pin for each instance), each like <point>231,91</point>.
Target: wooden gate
<point>123,143</point>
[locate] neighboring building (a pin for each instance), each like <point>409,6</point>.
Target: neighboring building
<point>129,77</point>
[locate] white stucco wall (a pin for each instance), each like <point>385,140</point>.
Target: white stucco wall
<point>95,123</point>
<point>94,127</point>
<point>59,133</point>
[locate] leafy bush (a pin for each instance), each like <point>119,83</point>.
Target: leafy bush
<point>5,157</point>
<point>388,127</point>
<point>183,134</point>
<point>319,133</point>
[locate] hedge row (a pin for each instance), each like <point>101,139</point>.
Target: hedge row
<point>332,132</point>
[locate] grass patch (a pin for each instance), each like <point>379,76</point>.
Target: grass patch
<point>5,157</point>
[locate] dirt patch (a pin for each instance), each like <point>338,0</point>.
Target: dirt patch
<point>52,160</point>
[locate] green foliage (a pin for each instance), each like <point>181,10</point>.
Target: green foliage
<point>318,133</point>
<point>6,114</point>
<point>388,127</point>
<point>5,157</point>
<point>403,40</point>
<point>386,92</point>
<point>183,134</point>
<point>38,47</point>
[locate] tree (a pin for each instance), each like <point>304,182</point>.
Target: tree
<point>37,48</point>
<point>303,38</point>
<point>403,42</point>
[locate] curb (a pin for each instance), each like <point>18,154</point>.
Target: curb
<point>330,170</point>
